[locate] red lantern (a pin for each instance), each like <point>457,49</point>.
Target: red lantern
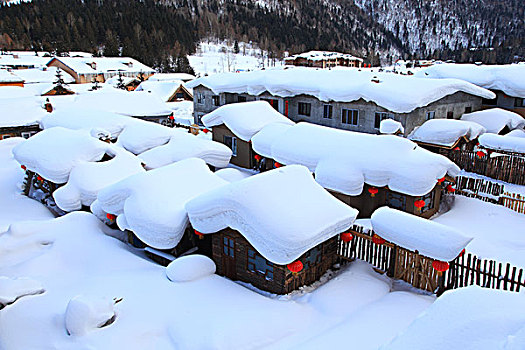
<point>419,204</point>
<point>257,157</point>
<point>480,154</point>
<point>456,149</point>
<point>200,234</point>
<point>295,267</point>
<point>277,165</point>
<point>171,117</point>
<point>205,131</point>
<point>39,178</point>
<point>373,191</point>
<point>451,189</point>
<point>441,180</point>
<point>110,216</point>
<point>462,253</point>
<point>378,240</point>
<point>440,266</point>
<point>346,237</point>
<point>23,167</point>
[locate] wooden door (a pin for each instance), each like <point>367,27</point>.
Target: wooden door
<point>228,257</point>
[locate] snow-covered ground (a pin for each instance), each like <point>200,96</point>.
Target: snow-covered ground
<point>213,56</point>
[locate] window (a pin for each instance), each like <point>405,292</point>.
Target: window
<point>304,108</point>
<point>431,115</point>
<point>518,102</point>
<point>489,102</point>
<point>241,98</point>
<point>327,113</point>
<point>199,119</point>
<point>259,265</point>
<point>179,95</point>
<point>216,100</point>
<point>450,115</point>
<point>429,201</point>
<point>200,98</point>
<point>28,134</point>
<point>396,200</point>
<point>273,103</point>
<point>313,257</point>
<point>468,109</point>
<point>231,142</point>
<point>350,116</point>
<point>6,136</point>
<point>228,247</point>
<point>381,116</point>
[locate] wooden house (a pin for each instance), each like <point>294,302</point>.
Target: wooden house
<point>323,59</point>
<point>235,124</point>
<point>9,79</point>
<point>496,120</point>
<point>266,231</point>
<point>19,116</point>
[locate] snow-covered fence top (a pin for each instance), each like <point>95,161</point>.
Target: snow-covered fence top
<point>507,78</point>
<point>429,238</point>
<point>514,143</point>
<point>151,204</point>
<point>283,212</point>
<point>245,119</point>
<point>495,119</point>
<point>344,160</point>
<point>446,132</point>
<point>397,93</point>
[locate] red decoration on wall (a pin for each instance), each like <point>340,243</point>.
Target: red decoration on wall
<point>277,165</point>
<point>440,266</point>
<point>286,108</point>
<point>23,167</point>
<point>373,191</point>
<point>346,237</point>
<point>257,157</point>
<point>39,178</point>
<point>110,216</point>
<point>205,131</point>
<point>377,239</point>
<point>441,180</point>
<point>419,204</point>
<point>480,154</point>
<point>456,149</point>
<point>451,189</point>
<point>200,234</point>
<point>295,267</point>
<point>171,117</point>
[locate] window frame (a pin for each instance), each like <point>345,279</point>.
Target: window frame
<point>216,100</point>
<point>251,265</point>
<point>430,115</point>
<point>233,143</point>
<point>304,105</point>
<point>330,109</point>
<point>348,116</point>
<point>429,196</point>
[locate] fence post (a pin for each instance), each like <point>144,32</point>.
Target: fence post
<point>392,262</point>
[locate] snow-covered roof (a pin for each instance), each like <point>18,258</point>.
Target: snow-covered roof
<point>507,78</point>
<point>233,174</point>
<point>495,119</point>
<point>20,111</point>
<point>397,93</point>
<point>323,55</point>
<point>101,65</point>
<point>509,143</point>
<point>138,137</point>
<point>130,103</point>
<point>10,92</point>
<point>171,77</point>
<point>390,126</point>
<point>429,238</point>
<point>43,75</point>
<point>344,161</point>
<point>54,152</point>
<point>283,212</point>
<point>113,81</point>
<point>446,132</point>
<point>162,89</point>
<point>151,204</point>
<point>184,145</point>
<point>86,179</point>
<point>15,60</point>
<point>182,112</point>
<point>8,77</point>
<point>245,119</point>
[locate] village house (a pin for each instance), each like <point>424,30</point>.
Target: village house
<point>512,144</point>
<point>234,126</point>
<point>20,113</point>
<point>168,91</point>
<point>504,80</point>
<point>184,77</point>
<point>323,59</point>
<point>347,99</point>
<point>87,70</point>
<point>10,79</point>
<point>276,231</point>
<point>20,60</point>
<point>496,120</point>
<point>365,171</point>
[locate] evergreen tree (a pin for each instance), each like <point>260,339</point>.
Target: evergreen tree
<point>120,82</point>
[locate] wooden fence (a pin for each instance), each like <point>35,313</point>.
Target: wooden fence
<point>508,168</point>
<point>513,201</point>
<point>416,269</point>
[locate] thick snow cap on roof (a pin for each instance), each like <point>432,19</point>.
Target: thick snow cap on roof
<point>507,78</point>
<point>162,89</point>
<point>495,119</point>
<point>390,126</point>
<point>397,93</point>
<point>151,204</point>
<point>39,75</point>
<point>88,178</point>
<point>171,77</point>
<point>92,65</point>
<point>54,152</point>
<point>20,111</point>
<point>283,212</point>
<point>8,77</point>
<point>11,92</point>
<point>245,119</point>
<point>446,132</point>
<point>344,160</point>
<point>322,55</point>
<point>467,318</point>
<point>508,143</point>
<point>432,239</point>
<point>184,145</point>
<point>139,136</point>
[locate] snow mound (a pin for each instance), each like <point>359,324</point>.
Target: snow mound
<point>446,132</point>
<point>468,318</point>
<point>437,241</point>
<point>183,145</point>
<point>245,119</point>
<point>508,143</point>
<point>151,204</point>
<point>344,161</point>
<point>390,126</point>
<point>86,313</point>
<point>397,93</point>
<point>190,268</point>
<point>233,174</point>
<point>140,136</point>
<point>12,289</point>
<point>495,119</point>
<point>54,152</point>
<point>283,212</point>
